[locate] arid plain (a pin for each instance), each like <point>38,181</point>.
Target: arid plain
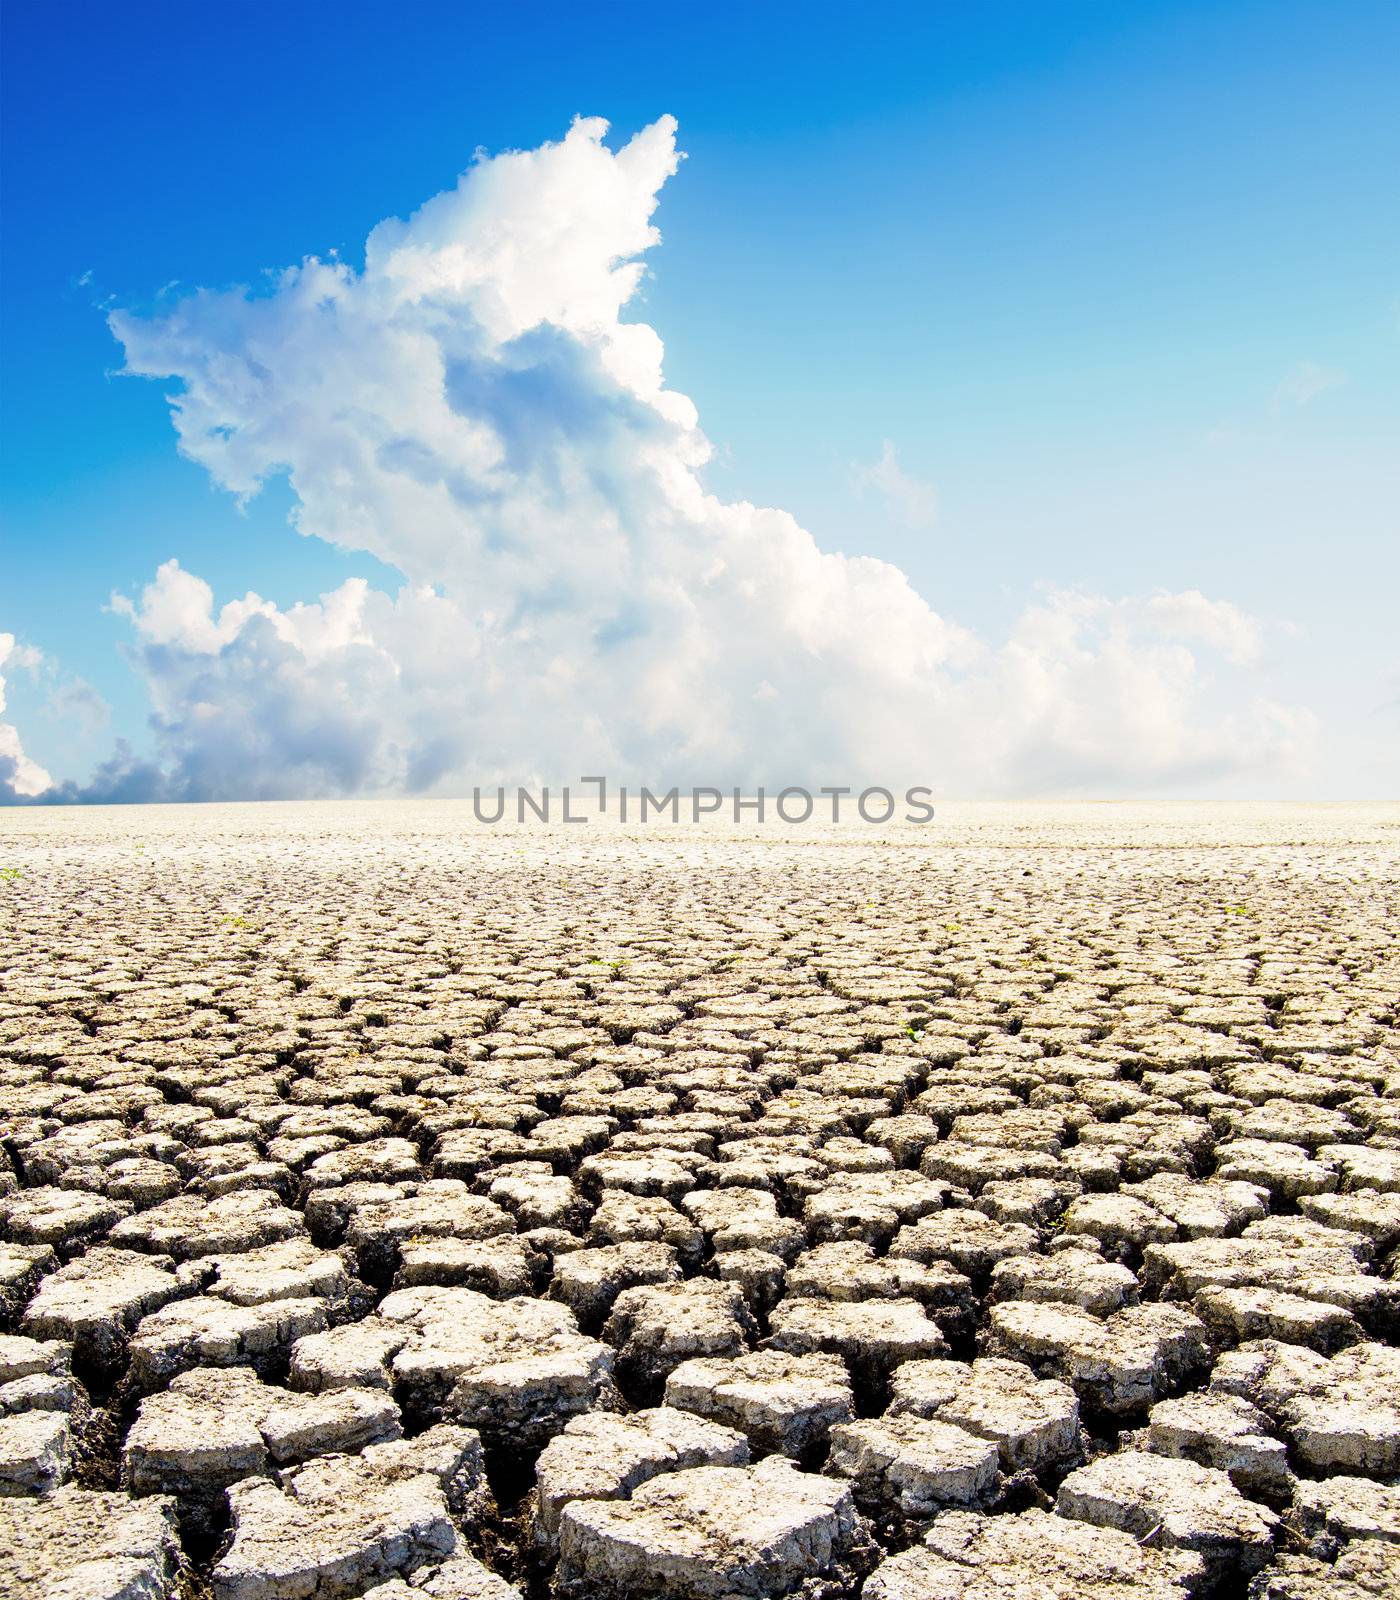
<point>1005,1208</point>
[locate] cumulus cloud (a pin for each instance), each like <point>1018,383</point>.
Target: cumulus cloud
<point>1095,695</point>
<point>75,700</point>
<point>912,500</point>
<point>20,778</point>
<point>1191,616</point>
<point>364,691</point>
<point>474,408</point>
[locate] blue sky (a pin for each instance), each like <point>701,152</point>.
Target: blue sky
<point>1119,282</point>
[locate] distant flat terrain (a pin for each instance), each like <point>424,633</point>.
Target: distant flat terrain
<point>387,1198</point>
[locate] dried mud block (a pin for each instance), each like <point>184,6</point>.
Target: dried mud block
<point>22,1357</point>
<point>34,1451</point>
<point>213,1426</point>
<point>1070,1277</point>
<point>96,1300</point>
<point>460,1577</point>
<point>1339,1415</point>
<point>589,1281</point>
<point>622,1218</point>
<point>712,1533</point>
<point>205,1332</point>
<point>1034,1422</point>
<point>1202,1208</point>
<point>655,1328</point>
<point>289,1269</point>
<point>759,1275</point>
<point>871,1206</point>
<point>966,1556</point>
<point>780,1402</point>
<point>906,1468</point>
<point>872,1336</point>
<point>969,1240</point>
<point>1329,1513</point>
<point>82,1544</point>
<point>338,1525</point>
<point>517,1370</point>
<point>850,1270</point>
<point>63,1219</point>
<point>1234,1316</point>
<point>353,1356</point>
<point>1119,1365</point>
<point>1118,1221</point>
<point>603,1456</point>
<point>501,1267</point>
<point>1288,1172</point>
<point>441,1209</point>
<point>1176,1503</point>
<point>1367,1570</point>
<point>1226,1432</point>
<point>21,1267</point>
<point>191,1225</point>
<point>1368,1212</point>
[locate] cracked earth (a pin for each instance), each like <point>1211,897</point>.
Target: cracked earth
<point>395,1206</point>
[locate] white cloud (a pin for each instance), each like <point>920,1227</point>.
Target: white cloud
<point>911,500</point>
<point>1190,615</point>
<point>369,692</point>
<point>473,409</point>
<point>18,774</point>
<point>1091,695</point>
<point>1306,382</point>
<point>75,701</point>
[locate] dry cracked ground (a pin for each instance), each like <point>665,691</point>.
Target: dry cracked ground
<point>394,1206</point>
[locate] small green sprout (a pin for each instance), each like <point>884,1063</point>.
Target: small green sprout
<point>9,874</point>
<point>235,922</point>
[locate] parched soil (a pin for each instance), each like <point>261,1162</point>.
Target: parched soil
<point>393,1204</point>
